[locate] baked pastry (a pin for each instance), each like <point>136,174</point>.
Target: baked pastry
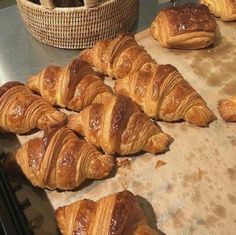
<point>74,87</point>
<point>225,9</point>
<point>61,160</point>
<point>188,26</point>
<point>118,214</point>
<point>119,127</point>
<point>227,109</point>
<point>22,111</point>
<point>159,90</point>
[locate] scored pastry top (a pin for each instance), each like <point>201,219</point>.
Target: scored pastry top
<point>189,18</point>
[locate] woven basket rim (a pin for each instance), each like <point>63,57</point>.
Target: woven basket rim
<point>35,6</point>
<point>71,28</point>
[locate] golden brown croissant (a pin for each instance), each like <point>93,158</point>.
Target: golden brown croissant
<point>61,160</point>
<point>74,87</point>
<point>225,9</point>
<point>22,111</point>
<point>159,90</point>
<point>119,127</point>
<point>188,26</point>
<point>227,109</point>
<point>117,214</point>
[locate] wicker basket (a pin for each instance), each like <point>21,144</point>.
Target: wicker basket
<point>78,27</point>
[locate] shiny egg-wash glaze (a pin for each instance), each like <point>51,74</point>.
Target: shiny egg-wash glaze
<point>116,214</point>
<point>74,86</point>
<point>188,26</point>
<point>61,160</point>
<point>118,126</point>
<point>22,111</point>
<point>159,90</point>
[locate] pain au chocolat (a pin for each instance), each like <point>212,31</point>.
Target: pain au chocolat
<point>188,26</point>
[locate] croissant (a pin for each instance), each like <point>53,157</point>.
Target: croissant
<point>188,26</point>
<point>118,214</point>
<point>61,160</point>
<point>22,111</point>
<point>119,127</point>
<point>159,90</point>
<point>225,9</point>
<point>74,87</point>
<point>227,109</point>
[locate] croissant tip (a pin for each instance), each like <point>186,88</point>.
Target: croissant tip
<point>31,82</point>
<point>227,109</point>
<point>59,215</point>
<point>158,143</point>
<point>18,155</point>
<point>59,211</point>
<point>52,120</point>
<point>101,166</point>
<point>73,122</point>
<point>200,116</point>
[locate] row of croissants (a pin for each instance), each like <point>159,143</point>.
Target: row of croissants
<point>116,122</point>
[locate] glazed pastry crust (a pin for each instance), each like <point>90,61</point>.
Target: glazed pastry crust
<point>225,9</point>
<point>188,26</point>
<point>159,90</point>
<point>119,127</point>
<point>22,111</point>
<point>116,214</point>
<point>61,160</point>
<point>74,87</point>
<point>227,109</point>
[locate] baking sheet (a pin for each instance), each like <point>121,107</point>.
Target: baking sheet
<point>194,191</point>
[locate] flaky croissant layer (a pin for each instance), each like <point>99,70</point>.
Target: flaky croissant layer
<point>159,90</point>
<point>22,111</point>
<point>118,214</point>
<point>75,86</point>
<point>118,126</point>
<point>61,160</point>
<point>225,9</point>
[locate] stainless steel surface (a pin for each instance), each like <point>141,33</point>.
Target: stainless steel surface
<point>6,3</point>
<point>22,55</point>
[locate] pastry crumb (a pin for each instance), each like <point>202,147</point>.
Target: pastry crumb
<point>159,163</point>
<point>124,163</point>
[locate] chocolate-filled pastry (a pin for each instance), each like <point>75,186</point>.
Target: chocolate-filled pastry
<point>227,109</point>
<point>22,111</point>
<point>61,160</point>
<point>159,90</point>
<point>118,214</point>
<point>75,86</point>
<point>225,9</point>
<point>119,127</point>
<point>188,26</point>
